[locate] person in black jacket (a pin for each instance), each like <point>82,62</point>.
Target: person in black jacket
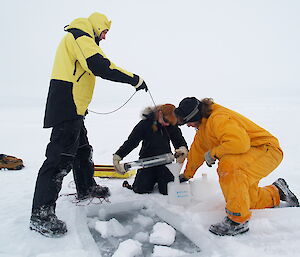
<point>156,129</point>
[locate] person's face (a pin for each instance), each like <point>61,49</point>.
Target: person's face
<point>194,124</point>
<point>103,34</point>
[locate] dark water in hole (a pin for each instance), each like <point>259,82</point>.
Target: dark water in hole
<point>109,245</point>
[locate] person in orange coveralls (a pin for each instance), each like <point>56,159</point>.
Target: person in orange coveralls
<point>246,154</point>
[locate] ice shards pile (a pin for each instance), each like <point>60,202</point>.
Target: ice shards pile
<point>138,233</point>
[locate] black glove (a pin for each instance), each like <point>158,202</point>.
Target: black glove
<point>182,178</point>
<point>141,85</point>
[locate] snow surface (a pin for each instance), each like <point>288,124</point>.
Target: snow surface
<point>244,54</point>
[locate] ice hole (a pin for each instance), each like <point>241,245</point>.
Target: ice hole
<point>139,221</point>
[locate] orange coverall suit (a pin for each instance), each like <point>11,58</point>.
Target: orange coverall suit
<point>246,154</point>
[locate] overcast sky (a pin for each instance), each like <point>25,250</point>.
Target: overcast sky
<point>210,48</point>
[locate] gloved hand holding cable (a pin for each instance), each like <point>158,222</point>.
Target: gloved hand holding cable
<point>141,85</point>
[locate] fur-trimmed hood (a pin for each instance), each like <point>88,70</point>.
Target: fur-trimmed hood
<point>149,113</point>
<point>167,110</point>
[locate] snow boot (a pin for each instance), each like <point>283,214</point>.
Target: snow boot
<point>99,191</point>
<point>228,227</point>
<point>127,185</point>
<point>94,191</point>
<point>44,221</point>
<point>10,162</point>
<point>285,193</point>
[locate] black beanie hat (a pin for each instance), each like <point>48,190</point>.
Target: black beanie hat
<point>189,110</point>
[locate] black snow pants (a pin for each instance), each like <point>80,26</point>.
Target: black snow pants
<point>68,150</point>
<point>145,180</point>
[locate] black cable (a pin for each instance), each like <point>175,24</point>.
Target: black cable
<point>104,113</point>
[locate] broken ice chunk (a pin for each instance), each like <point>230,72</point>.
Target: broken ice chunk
<point>163,251</point>
<point>143,220</point>
<point>163,234</point>
<point>111,228</point>
<point>128,248</point>
<point>141,237</point>
<point>148,212</point>
<point>91,222</point>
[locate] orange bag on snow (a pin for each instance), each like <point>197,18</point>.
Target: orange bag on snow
<point>10,162</point>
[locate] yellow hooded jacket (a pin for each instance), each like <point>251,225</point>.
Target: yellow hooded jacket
<point>225,132</point>
<point>78,60</point>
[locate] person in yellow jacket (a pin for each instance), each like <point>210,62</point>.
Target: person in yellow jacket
<point>78,60</point>
<point>246,153</point>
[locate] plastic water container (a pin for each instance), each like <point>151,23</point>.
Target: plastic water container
<point>178,193</point>
<point>201,188</point>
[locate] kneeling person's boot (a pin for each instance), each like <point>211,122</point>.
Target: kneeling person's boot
<point>285,193</point>
<point>44,221</point>
<point>229,228</point>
